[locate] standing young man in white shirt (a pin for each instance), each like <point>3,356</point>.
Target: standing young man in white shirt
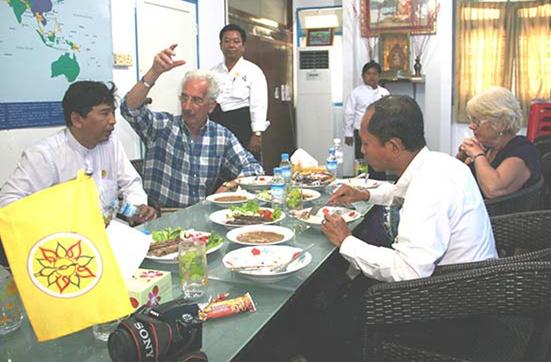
<point>360,98</point>
<point>243,99</point>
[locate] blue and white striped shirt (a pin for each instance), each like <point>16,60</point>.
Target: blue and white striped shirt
<point>180,171</point>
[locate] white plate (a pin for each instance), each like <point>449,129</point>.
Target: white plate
<point>172,257</point>
<point>307,196</point>
<point>315,220</point>
<point>220,217</point>
<point>286,232</point>
<point>212,198</point>
<point>268,255</point>
<point>255,182</point>
<point>358,183</point>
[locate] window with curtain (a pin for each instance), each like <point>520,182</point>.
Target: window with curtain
<point>502,43</point>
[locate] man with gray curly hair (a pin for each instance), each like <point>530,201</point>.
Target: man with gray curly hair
<point>501,161</point>
<point>187,154</point>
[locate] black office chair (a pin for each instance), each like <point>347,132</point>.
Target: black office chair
<point>497,313</point>
<point>527,199</point>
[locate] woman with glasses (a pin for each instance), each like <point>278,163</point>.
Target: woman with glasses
<point>501,161</point>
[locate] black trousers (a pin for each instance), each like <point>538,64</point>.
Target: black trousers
<point>375,175</point>
<point>238,121</point>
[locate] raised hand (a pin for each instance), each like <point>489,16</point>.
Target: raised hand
<point>164,61</point>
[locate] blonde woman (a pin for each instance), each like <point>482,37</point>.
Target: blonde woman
<point>501,161</point>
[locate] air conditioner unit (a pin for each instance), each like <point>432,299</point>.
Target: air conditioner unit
<point>314,121</point>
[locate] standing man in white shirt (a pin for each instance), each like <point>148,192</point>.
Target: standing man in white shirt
<point>243,99</point>
<point>356,104</point>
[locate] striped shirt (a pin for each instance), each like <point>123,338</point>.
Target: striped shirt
<point>180,171</point>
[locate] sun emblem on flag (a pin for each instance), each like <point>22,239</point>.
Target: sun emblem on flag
<point>64,265</point>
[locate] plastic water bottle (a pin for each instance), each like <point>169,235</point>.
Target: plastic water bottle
<point>285,167</point>
<point>339,155</point>
<point>331,163</point>
<point>127,209</point>
<point>278,189</point>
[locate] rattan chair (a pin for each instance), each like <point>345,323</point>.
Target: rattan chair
<point>543,144</point>
<point>496,313</point>
<point>524,236</point>
<point>527,199</point>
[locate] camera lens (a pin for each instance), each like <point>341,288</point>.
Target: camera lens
<point>121,346</point>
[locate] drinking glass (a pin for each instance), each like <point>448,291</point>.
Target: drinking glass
<point>192,261</point>
<point>11,311</point>
<point>360,166</point>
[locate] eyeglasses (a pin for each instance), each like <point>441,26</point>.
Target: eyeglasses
<point>477,122</point>
<point>198,101</point>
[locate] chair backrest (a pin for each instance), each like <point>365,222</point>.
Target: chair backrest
<point>138,165</point>
<point>539,120</point>
<point>543,143</point>
<point>527,199</point>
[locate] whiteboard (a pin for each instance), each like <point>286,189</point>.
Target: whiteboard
<point>161,23</point>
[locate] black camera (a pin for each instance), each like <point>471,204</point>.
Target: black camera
<point>164,332</point>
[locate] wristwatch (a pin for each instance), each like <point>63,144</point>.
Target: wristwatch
<point>258,134</point>
<point>147,84</point>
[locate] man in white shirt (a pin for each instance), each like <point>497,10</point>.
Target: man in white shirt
<point>243,99</point>
<point>443,219</point>
<point>358,101</point>
<point>87,143</point>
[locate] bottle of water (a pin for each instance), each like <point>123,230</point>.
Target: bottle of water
<point>331,163</point>
<point>278,189</point>
<point>127,209</point>
<point>285,167</point>
<point>339,155</point>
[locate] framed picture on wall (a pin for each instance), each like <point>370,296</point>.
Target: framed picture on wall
<point>416,16</point>
<point>318,37</point>
<point>394,53</point>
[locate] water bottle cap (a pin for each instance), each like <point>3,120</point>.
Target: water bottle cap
<point>285,156</point>
<point>337,141</point>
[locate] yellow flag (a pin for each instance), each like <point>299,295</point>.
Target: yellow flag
<point>61,259</point>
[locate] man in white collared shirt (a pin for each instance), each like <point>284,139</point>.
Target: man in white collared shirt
<point>443,219</point>
<point>88,144</point>
<point>243,99</point>
<point>358,101</point>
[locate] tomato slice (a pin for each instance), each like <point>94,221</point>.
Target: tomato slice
<point>352,213</point>
<point>325,211</point>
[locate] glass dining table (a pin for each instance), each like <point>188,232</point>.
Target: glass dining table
<point>223,339</point>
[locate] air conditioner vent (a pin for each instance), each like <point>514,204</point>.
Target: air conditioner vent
<point>314,59</point>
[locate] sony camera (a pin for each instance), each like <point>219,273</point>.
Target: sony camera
<point>165,332</point>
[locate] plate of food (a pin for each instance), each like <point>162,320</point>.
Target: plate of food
<point>230,198</point>
<point>294,194</point>
<point>260,235</point>
<point>250,213</point>
<point>316,180</point>
<point>315,220</point>
<point>257,262</point>
<point>164,243</point>
<point>255,182</point>
<point>358,183</point>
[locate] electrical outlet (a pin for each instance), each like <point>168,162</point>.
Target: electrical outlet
<point>122,60</point>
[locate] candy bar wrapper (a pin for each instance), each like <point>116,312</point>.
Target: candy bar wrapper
<point>227,308</point>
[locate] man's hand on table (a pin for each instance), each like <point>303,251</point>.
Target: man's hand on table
<point>227,186</point>
<point>255,144</point>
<point>346,195</point>
<point>145,213</point>
<point>335,229</point>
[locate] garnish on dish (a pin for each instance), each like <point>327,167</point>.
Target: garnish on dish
<point>250,213</point>
<point>165,241</point>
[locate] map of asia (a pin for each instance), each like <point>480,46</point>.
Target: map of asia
<point>45,45</point>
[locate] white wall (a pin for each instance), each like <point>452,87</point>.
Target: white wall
<point>211,17</point>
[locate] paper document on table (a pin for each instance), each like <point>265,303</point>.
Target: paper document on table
<point>129,246</point>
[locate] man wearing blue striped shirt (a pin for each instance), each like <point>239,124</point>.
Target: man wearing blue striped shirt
<point>187,154</point>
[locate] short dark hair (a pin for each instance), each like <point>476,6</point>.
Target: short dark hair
<point>233,27</point>
<point>82,96</point>
<point>371,64</point>
<point>400,117</point>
